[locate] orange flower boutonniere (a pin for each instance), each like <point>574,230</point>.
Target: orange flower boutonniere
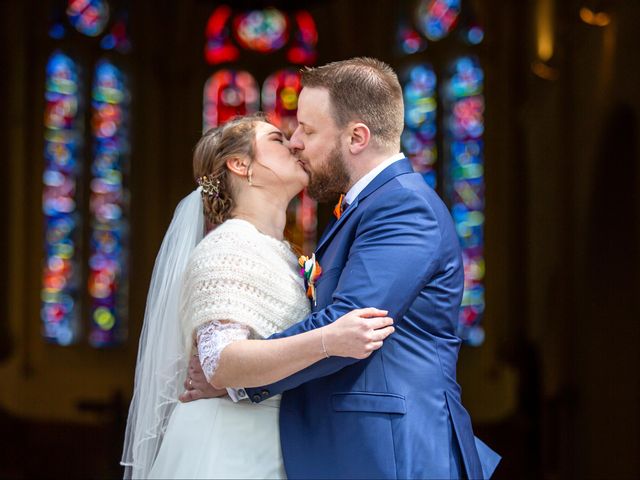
<point>310,270</point>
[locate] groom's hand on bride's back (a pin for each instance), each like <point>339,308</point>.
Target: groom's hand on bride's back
<point>196,385</point>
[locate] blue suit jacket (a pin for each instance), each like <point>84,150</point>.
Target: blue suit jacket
<point>396,414</point>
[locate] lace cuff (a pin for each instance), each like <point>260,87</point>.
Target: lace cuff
<point>213,337</point>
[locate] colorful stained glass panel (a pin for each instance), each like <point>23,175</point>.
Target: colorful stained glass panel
<point>264,31</point>
<point>437,18</point>
<point>303,50</point>
<point>62,148</point>
<point>88,16</point>
<point>219,48</point>
<point>409,40</point>
<point>419,135</point>
<point>465,127</point>
<point>280,99</point>
<point>229,93</point>
<point>107,283</point>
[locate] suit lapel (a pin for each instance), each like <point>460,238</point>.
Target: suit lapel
<point>400,167</point>
<point>327,229</point>
<point>333,226</point>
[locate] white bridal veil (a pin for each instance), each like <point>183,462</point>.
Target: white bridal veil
<point>162,361</point>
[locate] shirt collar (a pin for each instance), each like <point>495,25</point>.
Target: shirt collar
<point>361,184</point>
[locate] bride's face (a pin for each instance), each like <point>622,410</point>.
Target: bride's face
<point>274,164</point>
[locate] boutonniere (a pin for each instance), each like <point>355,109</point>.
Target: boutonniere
<point>310,270</point>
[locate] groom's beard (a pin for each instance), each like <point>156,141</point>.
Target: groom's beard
<point>331,180</point>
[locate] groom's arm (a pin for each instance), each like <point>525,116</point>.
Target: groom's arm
<point>392,256</point>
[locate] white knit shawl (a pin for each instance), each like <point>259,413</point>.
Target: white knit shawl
<point>238,274</point>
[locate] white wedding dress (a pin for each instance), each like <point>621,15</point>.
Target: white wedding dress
<point>239,284</point>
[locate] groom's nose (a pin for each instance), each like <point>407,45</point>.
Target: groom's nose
<point>295,143</point>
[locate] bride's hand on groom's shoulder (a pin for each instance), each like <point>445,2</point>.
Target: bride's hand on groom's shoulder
<point>358,333</point>
<point>196,385</point>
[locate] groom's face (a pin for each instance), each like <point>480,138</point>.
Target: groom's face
<point>317,144</point>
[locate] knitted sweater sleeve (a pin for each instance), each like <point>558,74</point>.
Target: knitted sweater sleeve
<point>229,292</point>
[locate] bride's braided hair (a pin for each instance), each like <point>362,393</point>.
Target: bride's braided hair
<point>217,145</point>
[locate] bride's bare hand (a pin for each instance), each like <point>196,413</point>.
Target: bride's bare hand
<point>358,333</point>
<point>196,385</point>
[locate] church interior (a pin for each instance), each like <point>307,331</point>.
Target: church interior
<point>516,112</point>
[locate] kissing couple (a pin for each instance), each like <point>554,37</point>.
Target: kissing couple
<point>337,365</point>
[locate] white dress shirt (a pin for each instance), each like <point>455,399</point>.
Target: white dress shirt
<point>361,184</point>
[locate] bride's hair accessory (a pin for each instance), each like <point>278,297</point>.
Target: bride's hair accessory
<point>209,186</point>
<point>236,138</point>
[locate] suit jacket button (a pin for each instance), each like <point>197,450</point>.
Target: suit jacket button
<point>265,393</point>
<point>256,398</point>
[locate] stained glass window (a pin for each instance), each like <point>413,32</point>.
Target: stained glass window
<point>409,40</point>
<point>107,283</point>
<point>280,99</point>
<point>228,93</point>
<point>437,18</point>
<point>264,30</point>
<point>219,48</point>
<point>465,127</point>
<point>62,149</point>
<point>88,16</point>
<point>419,135</point>
<point>303,50</point>
<point>69,215</point>
<point>117,38</point>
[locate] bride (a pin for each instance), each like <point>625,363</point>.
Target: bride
<point>218,298</point>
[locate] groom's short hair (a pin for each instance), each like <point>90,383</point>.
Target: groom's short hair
<point>365,90</point>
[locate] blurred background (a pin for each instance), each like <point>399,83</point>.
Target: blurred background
<point>523,114</point>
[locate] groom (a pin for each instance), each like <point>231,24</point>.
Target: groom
<point>392,245</point>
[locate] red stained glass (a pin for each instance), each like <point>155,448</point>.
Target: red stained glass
<point>229,93</point>
<point>219,48</point>
<point>280,99</point>
<point>303,50</point>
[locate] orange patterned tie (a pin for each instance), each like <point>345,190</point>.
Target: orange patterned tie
<point>338,209</point>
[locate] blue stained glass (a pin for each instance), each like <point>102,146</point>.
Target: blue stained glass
<point>418,137</point>
<point>62,141</point>
<point>437,18</point>
<point>464,104</point>
<point>409,40</point>
<point>107,284</point>
<point>88,16</point>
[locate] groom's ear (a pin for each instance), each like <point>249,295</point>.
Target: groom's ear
<point>238,165</point>
<point>360,137</point>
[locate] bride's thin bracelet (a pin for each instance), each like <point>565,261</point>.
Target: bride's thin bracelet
<point>324,348</point>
